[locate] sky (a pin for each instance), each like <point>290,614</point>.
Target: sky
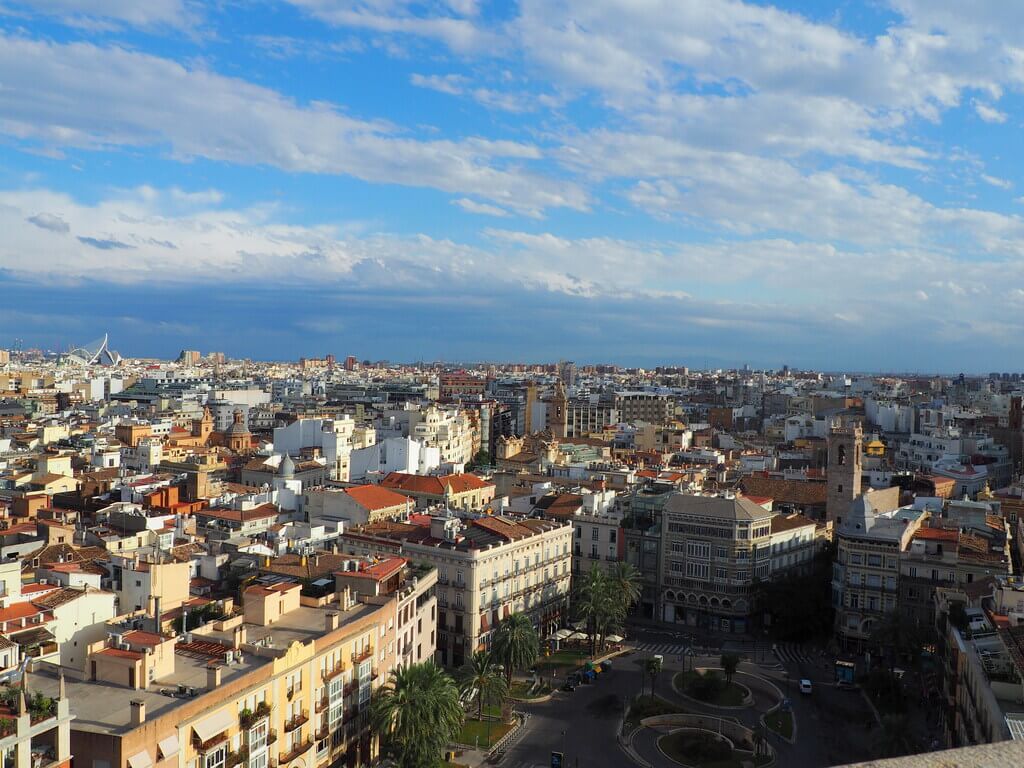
<point>679,182</point>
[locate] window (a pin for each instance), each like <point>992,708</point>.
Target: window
<point>721,552</point>
<point>611,536</point>
<point>854,601</point>
<point>258,761</point>
<point>216,757</point>
<point>698,570</point>
<point>594,533</point>
<point>839,488</point>
<point>700,550</point>
<point>258,735</point>
<point>875,561</point>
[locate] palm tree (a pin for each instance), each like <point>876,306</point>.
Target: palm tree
<point>597,604</point>
<point>516,644</point>
<point>625,584</point>
<point>481,679</point>
<point>652,667</point>
<point>417,714</point>
<point>729,662</point>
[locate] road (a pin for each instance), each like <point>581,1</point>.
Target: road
<point>582,724</point>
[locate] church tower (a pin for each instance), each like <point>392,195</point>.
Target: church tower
<point>844,470</point>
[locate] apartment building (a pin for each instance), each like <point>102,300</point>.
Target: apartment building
<point>285,681</point>
<point>488,568</point>
<point>865,576</point>
<point>464,491</point>
<point>450,430</point>
<point>651,407</point>
<point>713,548</point>
<point>982,670</point>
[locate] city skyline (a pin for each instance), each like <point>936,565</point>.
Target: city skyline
<point>471,179</point>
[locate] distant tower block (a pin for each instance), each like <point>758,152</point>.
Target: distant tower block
<point>844,470</point>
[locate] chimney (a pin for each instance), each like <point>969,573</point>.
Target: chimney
<point>138,716</point>
<point>239,637</point>
<point>213,676</point>
<point>332,621</point>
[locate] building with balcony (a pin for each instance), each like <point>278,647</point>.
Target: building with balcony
<point>35,734</point>
<point>713,548</point>
<point>865,578</point>
<point>488,568</point>
<point>286,681</point>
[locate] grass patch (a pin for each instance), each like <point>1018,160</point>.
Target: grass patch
<point>780,722</point>
<point>521,690</point>
<point>698,749</point>
<point>564,658</point>
<point>649,706</point>
<point>710,687</point>
<point>475,733</point>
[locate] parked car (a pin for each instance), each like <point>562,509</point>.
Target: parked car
<point>569,685</point>
<point>805,686</point>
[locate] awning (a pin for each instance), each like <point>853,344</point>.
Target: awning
<point>614,638</point>
<point>561,634</point>
<point>34,636</point>
<point>169,747</point>
<point>213,725</point>
<point>575,636</point>
<point>141,760</point>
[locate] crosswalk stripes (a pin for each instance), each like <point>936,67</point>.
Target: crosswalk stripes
<point>792,653</point>
<point>665,649</point>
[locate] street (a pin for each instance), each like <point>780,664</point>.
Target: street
<point>583,724</point>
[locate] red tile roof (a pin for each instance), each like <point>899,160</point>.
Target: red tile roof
<point>379,571</point>
<point>139,637</point>
<point>374,497</point>
<point>433,484</point>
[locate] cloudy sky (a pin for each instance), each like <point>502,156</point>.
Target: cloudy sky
<point>696,182</point>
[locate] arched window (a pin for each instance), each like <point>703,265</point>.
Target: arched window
<point>841,455</point>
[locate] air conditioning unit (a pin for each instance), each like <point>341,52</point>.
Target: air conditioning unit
<point>229,657</point>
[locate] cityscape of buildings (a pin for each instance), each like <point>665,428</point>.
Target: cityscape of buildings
<point>209,562</point>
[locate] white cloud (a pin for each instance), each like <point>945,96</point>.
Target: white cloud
<point>137,13</point>
<point>471,206</point>
<point>81,95</point>
<point>460,85</point>
<point>453,23</point>
<point>989,113</point>
<point>995,181</point>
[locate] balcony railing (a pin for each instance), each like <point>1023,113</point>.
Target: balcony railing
<point>296,721</point>
<point>322,704</point>
<point>295,751</point>
<point>332,672</point>
<point>362,656</point>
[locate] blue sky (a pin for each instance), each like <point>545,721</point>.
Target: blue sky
<point>637,181</point>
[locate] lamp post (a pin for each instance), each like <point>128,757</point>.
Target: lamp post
<point>500,669</point>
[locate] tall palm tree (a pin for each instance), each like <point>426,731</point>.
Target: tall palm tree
<point>417,714</point>
<point>625,584</point>
<point>652,666</point>
<point>481,679</point>
<point>516,644</point>
<point>729,662</point>
<point>597,604</point>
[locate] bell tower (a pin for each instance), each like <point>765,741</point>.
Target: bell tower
<point>844,470</point>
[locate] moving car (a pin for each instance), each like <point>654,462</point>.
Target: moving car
<point>805,686</point>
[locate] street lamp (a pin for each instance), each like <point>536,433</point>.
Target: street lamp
<point>500,669</point>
